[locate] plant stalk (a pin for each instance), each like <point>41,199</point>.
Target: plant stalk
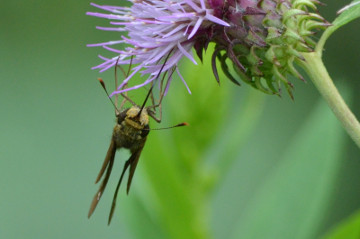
<point>321,79</point>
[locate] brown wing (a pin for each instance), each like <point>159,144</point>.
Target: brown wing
<point>109,155</point>
<point>132,162</point>
<point>110,159</point>
<point>134,159</point>
<point>127,163</point>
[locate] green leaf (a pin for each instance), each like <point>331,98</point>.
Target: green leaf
<point>349,229</point>
<point>293,197</point>
<point>143,222</point>
<point>351,13</point>
<point>345,17</point>
<point>176,212</point>
<point>240,124</point>
<point>173,158</point>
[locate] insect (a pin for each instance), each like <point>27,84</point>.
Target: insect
<point>130,132</point>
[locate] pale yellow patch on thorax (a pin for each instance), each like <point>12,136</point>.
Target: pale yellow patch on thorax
<point>132,113</point>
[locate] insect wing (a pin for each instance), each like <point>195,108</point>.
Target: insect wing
<point>134,159</point>
<point>108,164</point>
<point>109,155</point>
<point>132,162</point>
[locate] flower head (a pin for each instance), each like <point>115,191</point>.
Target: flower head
<point>155,29</point>
<point>258,39</point>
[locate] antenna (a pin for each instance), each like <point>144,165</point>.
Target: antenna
<point>175,126</point>
<point>107,93</point>
<point>104,86</point>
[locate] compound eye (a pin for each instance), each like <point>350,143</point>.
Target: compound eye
<point>145,131</point>
<point>121,117</point>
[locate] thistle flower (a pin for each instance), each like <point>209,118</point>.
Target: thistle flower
<point>259,39</point>
<point>155,29</point>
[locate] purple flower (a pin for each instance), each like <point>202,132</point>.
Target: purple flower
<point>155,29</point>
<point>256,41</point>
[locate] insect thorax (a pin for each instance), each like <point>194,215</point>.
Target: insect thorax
<point>131,130</point>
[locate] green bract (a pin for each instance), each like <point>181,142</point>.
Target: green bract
<point>264,40</point>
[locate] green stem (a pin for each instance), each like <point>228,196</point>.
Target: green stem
<point>321,79</point>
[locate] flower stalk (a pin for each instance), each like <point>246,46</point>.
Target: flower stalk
<point>317,72</point>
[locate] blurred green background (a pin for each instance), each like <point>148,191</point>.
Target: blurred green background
<point>248,166</point>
